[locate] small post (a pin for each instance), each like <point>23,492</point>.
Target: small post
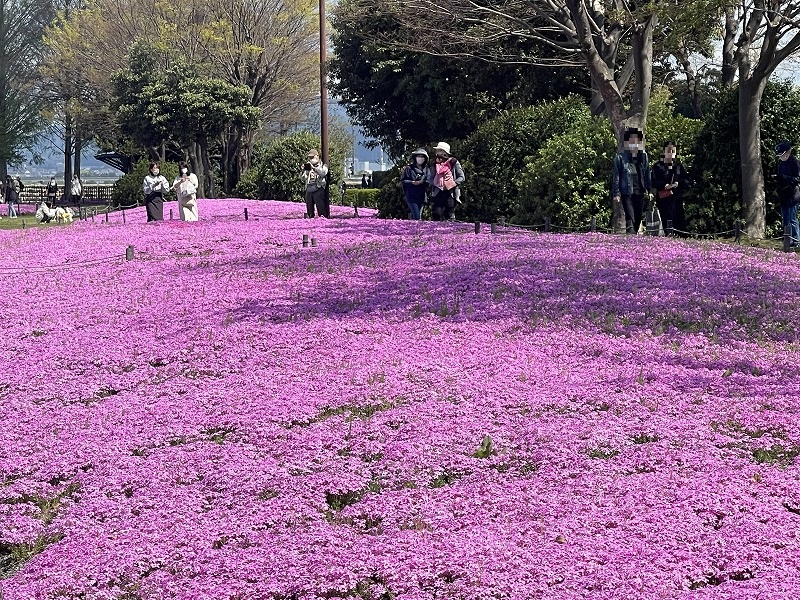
<point>23,223</point>
<point>92,216</point>
<point>245,214</point>
<point>123,215</point>
<point>305,240</point>
<point>668,230</point>
<point>593,224</point>
<point>170,214</point>
<point>737,232</point>
<point>547,224</point>
<point>493,227</point>
<point>129,253</point>
<point>313,242</point>
<point>477,226</point>
<point>787,239</point>
<point>502,221</point>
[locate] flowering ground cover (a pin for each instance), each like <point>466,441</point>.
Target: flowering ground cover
<point>406,411</point>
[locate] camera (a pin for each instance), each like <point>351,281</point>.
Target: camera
<point>307,167</point>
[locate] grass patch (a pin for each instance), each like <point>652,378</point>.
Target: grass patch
<point>602,453</point>
<point>775,454</point>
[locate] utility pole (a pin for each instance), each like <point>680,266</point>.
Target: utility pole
<point>323,102</point>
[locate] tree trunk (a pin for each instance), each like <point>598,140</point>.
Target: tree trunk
<point>729,62</point>
<point>197,168</point>
<point>76,159</point>
<point>68,148</point>
<point>208,171</point>
<point>753,197</point>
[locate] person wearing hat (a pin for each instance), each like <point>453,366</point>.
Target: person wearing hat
<point>443,178</point>
<point>789,189</point>
<point>314,175</point>
<point>414,179</point>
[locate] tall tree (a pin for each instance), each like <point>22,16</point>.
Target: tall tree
<point>612,40</point>
<point>22,24</point>
<point>403,98</point>
<point>768,35</point>
<point>181,107</point>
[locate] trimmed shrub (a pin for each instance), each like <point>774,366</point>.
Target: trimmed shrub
<point>275,170</point>
<point>567,178</point>
<point>362,198</point>
<point>495,154</point>
<point>128,190</point>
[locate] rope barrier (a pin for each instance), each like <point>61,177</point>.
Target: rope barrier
<point>38,269</point>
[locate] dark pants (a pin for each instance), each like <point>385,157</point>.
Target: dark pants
<point>76,199</point>
<point>315,197</point>
<point>789,218</point>
<point>633,206</point>
<point>670,209</point>
<point>155,207</point>
<point>443,205</point>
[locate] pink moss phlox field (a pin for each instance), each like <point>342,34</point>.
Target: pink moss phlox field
<point>406,411</point>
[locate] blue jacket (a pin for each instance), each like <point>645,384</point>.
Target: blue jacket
<point>414,193</point>
<point>624,170</point>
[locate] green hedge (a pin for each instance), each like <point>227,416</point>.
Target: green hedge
<point>362,198</point>
<point>275,171</point>
<point>128,189</point>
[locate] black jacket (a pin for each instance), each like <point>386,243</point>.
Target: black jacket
<point>664,174</point>
<point>789,181</point>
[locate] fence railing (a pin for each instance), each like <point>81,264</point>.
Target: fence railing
<point>99,194</point>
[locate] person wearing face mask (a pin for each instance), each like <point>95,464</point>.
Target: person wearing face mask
<point>52,192</point>
<point>414,179</point>
<point>669,180</point>
<point>155,184</point>
<point>185,185</point>
<point>789,189</point>
<point>313,174</point>
<point>443,178</point>
<point>631,178</point>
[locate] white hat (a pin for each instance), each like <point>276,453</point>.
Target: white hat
<point>443,146</point>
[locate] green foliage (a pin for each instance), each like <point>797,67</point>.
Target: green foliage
<point>501,148</point>
<point>665,124</point>
<point>486,449</point>
<point>362,198</point>
<point>567,179</point>
<point>128,189</point>
<point>391,203</point>
<point>178,105</point>
<point>405,99</point>
<point>718,198</point>
<point>275,170</point>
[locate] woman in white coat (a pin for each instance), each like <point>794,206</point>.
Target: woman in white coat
<point>185,185</point>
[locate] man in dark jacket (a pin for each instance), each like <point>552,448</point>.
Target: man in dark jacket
<point>631,178</point>
<point>789,189</point>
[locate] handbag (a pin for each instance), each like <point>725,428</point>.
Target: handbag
<point>663,194</point>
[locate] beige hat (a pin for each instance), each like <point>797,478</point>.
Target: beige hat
<point>312,153</point>
<point>444,147</point>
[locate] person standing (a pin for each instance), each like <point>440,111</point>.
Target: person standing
<point>789,190</point>
<point>343,189</point>
<point>363,181</point>
<point>155,184</point>
<point>76,189</point>
<point>185,185</point>
<point>443,178</point>
<point>414,179</point>
<point>631,178</point>
<point>314,175</point>
<point>52,192</point>
<point>11,195</point>
<point>669,179</point>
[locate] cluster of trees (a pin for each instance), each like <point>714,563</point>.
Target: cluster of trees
<point>194,80</point>
<point>422,70</point>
